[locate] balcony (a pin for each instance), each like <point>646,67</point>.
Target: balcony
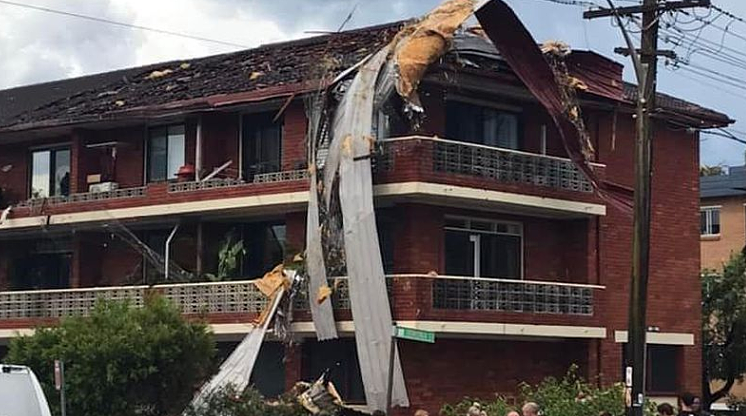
<point>420,297</point>
<point>435,160</point>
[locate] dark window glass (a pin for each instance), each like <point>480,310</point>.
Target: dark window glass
<point>265,245</point>
<point>715,221</point>
<point>268,375</point>
<point>262,144</point>
<point>386,240</point>
<point>340,358</point>
<point>459,254</point>
<point>482,125</point>
<point>662,375</point>
<point>62,172</point>
<point>46,266</point>
<point>663,368</point>
<point>50,173</point>
<point>500,256</point>
<point>166,152</point>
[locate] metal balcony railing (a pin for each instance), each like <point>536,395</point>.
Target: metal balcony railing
<point>242,297</point>
<point>504,165</point>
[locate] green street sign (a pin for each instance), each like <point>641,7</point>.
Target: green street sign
<point>412,334</point>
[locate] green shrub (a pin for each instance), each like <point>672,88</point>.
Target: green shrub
<point>121,360</point>
<point>228,402</point>
<point>570,395</point>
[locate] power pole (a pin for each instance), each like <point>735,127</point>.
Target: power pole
<point>646,68</point>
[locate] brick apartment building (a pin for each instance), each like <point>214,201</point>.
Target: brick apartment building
<point>483,188</point>
<point>722,216</point>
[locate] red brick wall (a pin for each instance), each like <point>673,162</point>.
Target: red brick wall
<point>485,368</point>
<point>674,286</point>
<point>294,136</point>
<point>220,137</point>
<point>14,182</point>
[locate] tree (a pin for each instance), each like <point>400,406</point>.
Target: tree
<point>724,327</point>
<point>121,360</point>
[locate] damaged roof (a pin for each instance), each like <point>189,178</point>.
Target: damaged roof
<point>267,71</point>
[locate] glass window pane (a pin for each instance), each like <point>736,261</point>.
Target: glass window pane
<point>500,129</point>
<point>176,150</point>
<point>500,256</point>
<point>262,144</point>
<point>459,254</point>
<point>40,174</point>
<point>62,172</point>
<point>715,221</point>
<point>157,155</point>
<point>663,368</point>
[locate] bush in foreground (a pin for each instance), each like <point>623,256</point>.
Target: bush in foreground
<point>569,395</point>
<point>121,360</point>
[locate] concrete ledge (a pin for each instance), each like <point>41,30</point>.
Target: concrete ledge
<point>425,192</point>
<point>660,338</point>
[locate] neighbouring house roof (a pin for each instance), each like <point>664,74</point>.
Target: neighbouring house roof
<point>731,184</point>
<point>268,71</point>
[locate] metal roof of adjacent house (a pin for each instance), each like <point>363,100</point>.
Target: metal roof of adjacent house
<point>731,184</point>
<point>280,68</point>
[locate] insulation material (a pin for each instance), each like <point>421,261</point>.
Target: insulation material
<point>424,43</point>
<point>236,369</point>
<point>367,283</point>
<point>519,50</point>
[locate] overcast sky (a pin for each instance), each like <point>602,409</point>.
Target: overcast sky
<point>36,46</point>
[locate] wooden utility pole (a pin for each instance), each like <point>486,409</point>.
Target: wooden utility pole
<point>646,68</point>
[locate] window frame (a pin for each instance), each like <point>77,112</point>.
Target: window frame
<point>708,210</point>
<point>52,168</point>
<point>468,221</point>
<point>148,138</point>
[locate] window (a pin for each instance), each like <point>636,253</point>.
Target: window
<point>340,357</point>
<point>482,125</point>
<point>483,248</point>
<point>709,221</point>
<point>46,265</point>
<point>50,173</point>
<point>261,143</point>
<point>268,374</point>
<point>265,245</point>
<point>662,372</point>
<point>166,151</point>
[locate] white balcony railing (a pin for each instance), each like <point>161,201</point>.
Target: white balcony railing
<point>123,193</point>
<point>236,297</point>
<point>504,165</point>
<point>272,177</point>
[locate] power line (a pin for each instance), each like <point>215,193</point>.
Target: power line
<point>122,24</point>
<point>724,133</point>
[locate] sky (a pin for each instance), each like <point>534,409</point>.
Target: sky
<point>36,46</point>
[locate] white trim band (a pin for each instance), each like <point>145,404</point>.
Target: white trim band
<point>660,338</point>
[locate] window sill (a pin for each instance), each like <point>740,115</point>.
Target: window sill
<point>709,237</point>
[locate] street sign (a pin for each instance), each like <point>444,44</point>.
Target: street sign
<point>413,334</point>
